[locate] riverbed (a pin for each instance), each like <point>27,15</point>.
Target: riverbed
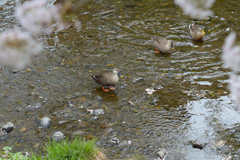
<point>191,101</point>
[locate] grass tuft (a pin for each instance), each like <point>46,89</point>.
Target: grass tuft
<point>79,149</point>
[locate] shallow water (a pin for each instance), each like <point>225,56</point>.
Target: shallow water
<point>191,102</point>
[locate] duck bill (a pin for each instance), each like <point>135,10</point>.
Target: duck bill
<point>203,32</point>
<point>172,48</point>
<point>119,75</point>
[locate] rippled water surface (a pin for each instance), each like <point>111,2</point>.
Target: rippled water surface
<point>191,101</point>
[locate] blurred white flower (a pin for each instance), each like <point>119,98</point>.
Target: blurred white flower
<point>234,87</point>
<point>229,41</point>
<point>196,8</point>
<point>231,54</point>
<point>231,57</point>
<point>77,24</point>
<point>16,48</point>
<point>36,18</point>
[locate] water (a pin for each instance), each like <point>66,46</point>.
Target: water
<point>192,102</point>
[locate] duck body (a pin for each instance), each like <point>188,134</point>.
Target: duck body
<point>107,80</point>
<point>162,44</point>
<point>196,32</point>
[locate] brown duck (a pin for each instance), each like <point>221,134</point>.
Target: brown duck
<point>107,80</point>
<point>196,32</point>
<point>162,44</point>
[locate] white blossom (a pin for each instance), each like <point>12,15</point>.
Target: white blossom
<point>234,87</point>
<point>77,24</point>
<point>231,54</point>
<point>231,57</point>
<point>16,48</point>
<point>196,8</point>
<point>36,18</point>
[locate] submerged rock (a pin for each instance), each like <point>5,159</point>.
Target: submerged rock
<point>24,129</point>
<point>70,103</point>
<point>2,133</point>
<point>154,101</point>
<point>125,143</point>
<point>115,140</point>
<point>197,144</point>
<point>162,154</point>
<point>8,127</point>
<point>37,105</point>
<point>62,122</point>
<point>45,122</point>
<point>99,98</point>
<point>57,136</point>
<point>140,79</point>
<point>159,87</point>
<point>218,145</point>
<point>78,133</point>
<point>33,107</point>
<point>98,111</point>
<point>123,86</point>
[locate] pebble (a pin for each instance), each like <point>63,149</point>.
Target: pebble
<point>94,118</point>
<point>123,86</point>
<point>99,98</point>
<point>78,133</point>
<point>218,144</point>
<point>162,153</point>
<point>125,143</point>
<point>183,67</point>
<point>154,101</point>
<point>98,111</point>
<point>107,12</point>
<point>140,79</point>
<point>15,70</point>
<point>45,122</point>
<point>34,107</point>
<point>62,122</point>
<point>115,140</point>
<point>197,144</point>
<point>77,94</point>
<point>110,130</point>
<point>57,136</point>
<point>159,87</point>
<point>131,103</point>
<point>37,105</point>
<point>1,134</point>
<point>23,129</point>
<point>8,127</point>
<point>71,103</point>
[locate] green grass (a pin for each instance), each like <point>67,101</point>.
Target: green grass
<point>78,149</point>
<point>7,154</point>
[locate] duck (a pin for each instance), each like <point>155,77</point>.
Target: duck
<point>196,32</point>
<point>107,80</point>
<point>162,44</point>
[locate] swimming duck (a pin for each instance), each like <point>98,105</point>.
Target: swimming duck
<point>162,44</point>
<point>107,80</point>
<point>196,32</point>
